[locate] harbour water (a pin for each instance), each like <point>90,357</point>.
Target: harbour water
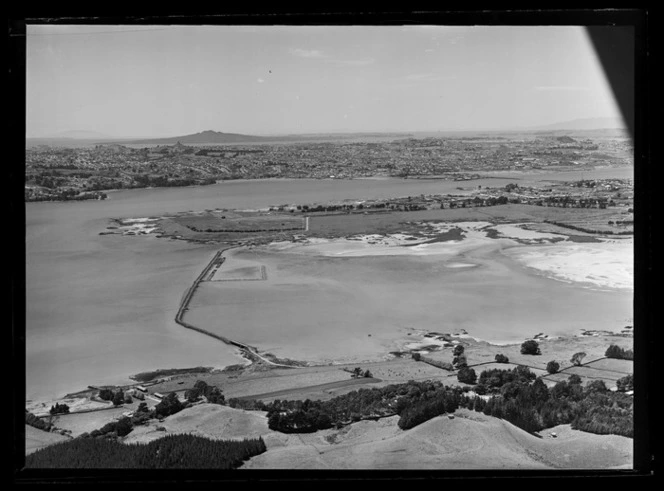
<point>100,308</point>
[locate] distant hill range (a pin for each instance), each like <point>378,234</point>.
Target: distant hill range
<point>584,124</point>
<point>209,137</point>
<point>216,137</point>
<point>202,137</point>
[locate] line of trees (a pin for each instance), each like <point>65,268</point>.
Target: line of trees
<point>36,422</point>
<point>117,397</point>
<point>169,452</point>
<point>59,409</point>
<point>445,365</point>
<point>63,195</point>
<point>242,230</point>
<point>201,389</point>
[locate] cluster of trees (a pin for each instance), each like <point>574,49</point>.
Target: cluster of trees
<point>496,380</point>
<point>63,195</point>
<point>112,430</point>
<point>621,223</point>
<point>518,406</point>
<point>146,180</point>
<point>59,409</point>
<point>170,404</point>
<point>625,383</point>
<point>344,207</point>
<point>603,412</point>
<point>517,398</point>
<point>170,452</point>
<point>491,201</point>
<point>466,375</point>
<point>118,397</point>
<point>359,373</point>
<point>360,206</point>
<point>459,361</point>
<point>429,405</point>
<point>309,416</point>
<point>500,358</point>
<point>45,180</point>
<point>407,207</point>
<point>418,398</point>
<point>211,393</point>
<point>530,347</point>
<point>534,407</point>
<point>615,351</point>
<point>568,201</point>
<point>34,421</point>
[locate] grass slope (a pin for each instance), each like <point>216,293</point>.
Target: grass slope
<point>36,439</point>
<point>469,441</point>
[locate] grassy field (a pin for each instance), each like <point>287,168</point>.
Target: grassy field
<point>264,227</point>
<point>258,223</point>
<point>607,370</point>
<point>300,383</point>
<point>36,439</point>
<point>326,382</point>
<point>340,225</point>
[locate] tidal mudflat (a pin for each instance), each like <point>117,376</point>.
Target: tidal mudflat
<point>358,298</point>
<point>100,308</point>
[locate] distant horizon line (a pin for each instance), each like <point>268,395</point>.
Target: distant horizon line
<point>101,135</point>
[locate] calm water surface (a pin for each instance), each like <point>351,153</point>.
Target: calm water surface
<point>100,307</point>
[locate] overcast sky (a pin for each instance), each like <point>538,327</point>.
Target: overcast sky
<point>175,80</point>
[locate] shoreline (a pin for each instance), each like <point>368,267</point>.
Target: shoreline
<point>251,354</point>
<point>499,174</point>
<point>266,361</point>
<point>481,354</point>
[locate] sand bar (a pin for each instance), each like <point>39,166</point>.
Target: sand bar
<point>607,264</point>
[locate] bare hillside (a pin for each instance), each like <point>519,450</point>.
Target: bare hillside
<point>468,441</point>
<point>36,439</point>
